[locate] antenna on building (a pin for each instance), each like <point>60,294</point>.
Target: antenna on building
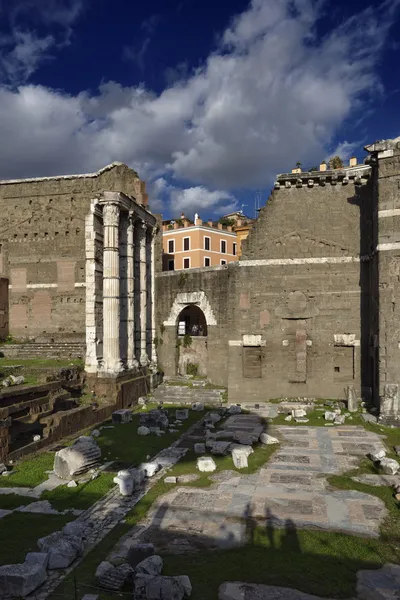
<point>242,207</point>
<point>257,204</point>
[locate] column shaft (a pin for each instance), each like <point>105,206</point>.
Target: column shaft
<point>131,359</point>
<point>111,290</point>
<point>152,300</point>
<point>143,294</point>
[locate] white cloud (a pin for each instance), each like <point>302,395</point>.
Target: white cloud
<point>23,50</point>
<point>199,199</point>
<point>271,94</point>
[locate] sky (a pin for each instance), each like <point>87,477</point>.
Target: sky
<point>206,101</point>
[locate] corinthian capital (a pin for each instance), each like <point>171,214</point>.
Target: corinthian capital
<point>111,214</point>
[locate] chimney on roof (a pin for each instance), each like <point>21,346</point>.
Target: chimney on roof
<point>353,161</point>
<point>210,223</point>
<point>296,170</point>
<point>322,166</point>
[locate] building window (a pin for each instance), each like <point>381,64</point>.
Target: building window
<point>223,262</point>
<point>234,248</point>
<point>186,244</point>
<point>207,261</point>
<point>171,264</point>
<point>186,262</point>
<point>171,246</point>
<point>207,243</point>
<point>223,246</point>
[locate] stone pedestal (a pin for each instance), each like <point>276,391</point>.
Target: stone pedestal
<point>390,405</point>
<point>111,291</point>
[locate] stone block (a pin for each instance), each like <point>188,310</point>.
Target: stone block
<point>351,396</point>
<point>220,448</point>
<point>299,412</point>
<point>164,588</point>
<point>378,456</point>
<point>142,430</point>
<point>181,414</point>
<point>139,552</point>
<point>206,464</point>
<point>150,468</point>
<point>170,479</point>
<point>234,410</point>
<point>124,480</point>
<point>239,457</point>
<point>77,459</point>
<point>113,577</point>
<point>187,586</point>
<point>62,549</point>
<point>340,419</point>
<point>389,466</point>
<point>214,417</point>
<point>122,416</point>
<point>267,439</point>
<point>199,448</point>
<point>330,415</point>
<point>152,565</point>
<point>198,406</point>
<point>21,579</point>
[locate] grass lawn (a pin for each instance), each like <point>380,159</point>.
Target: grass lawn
<point>30,472</point>
<point>123,444</point>
<point>11,501</point>
<point>40,362</point>
<point>19,533</point>
<point>81,497</point>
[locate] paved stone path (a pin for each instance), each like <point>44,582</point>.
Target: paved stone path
<point>290,490</point>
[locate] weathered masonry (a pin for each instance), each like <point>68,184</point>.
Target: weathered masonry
<point>311,307</point>
<point>78,251</point>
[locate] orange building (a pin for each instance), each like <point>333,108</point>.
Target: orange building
<point>189,245</point>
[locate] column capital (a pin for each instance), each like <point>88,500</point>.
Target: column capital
<point>111,214</point>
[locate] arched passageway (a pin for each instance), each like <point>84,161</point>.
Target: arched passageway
<point>191,329</point>
<point>192,321</point>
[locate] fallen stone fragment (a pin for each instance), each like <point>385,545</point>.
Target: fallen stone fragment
<point>198,406</point>
<point>188,478</point>
<point>164,588</point>
<point>220,448</point>
<point>72,484</point>
<point>181,414</point>
<point>377,456</point>
<point>288,418</point>
<point>62,549</point>
<point>340,419</point>
<point>267,439</point>
<point>369,418</point>
<point>379,584</point>
<point>302,420</point>
<point>214,417</point>
<point>245,438</point>
<point>95,433</point>
<point>142,401</point>
<point>142,430</point>
<point>206,464</point>
<point>299,412</point>
<point>396,449</point>
<point>42,507</point>
<point>121,416</point>
<point>113,577</point>
<point>36,438</point>
<point>152,565</point>
<point>187,586</point>
<point>234,410</point>
<point>330,416</point>
<point>239,457</point>
<point>150,468</point>
<point>234,590</point>
<point>83,455</point>
<point>199,448</point>
<point>124,480</point>
<point>21,579</point>
<point>389,466</point>
<point>170,479</point>
<point>3,468</point>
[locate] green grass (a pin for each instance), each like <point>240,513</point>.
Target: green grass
<point>30,472</point>
<point>81,497</point>
<point>40,362</point>
<point>122,443</point>
<point>11,501</point>
<point>19,533</point>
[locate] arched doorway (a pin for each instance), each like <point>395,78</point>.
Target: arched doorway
<point>192,321</point>
<point>191,330</point>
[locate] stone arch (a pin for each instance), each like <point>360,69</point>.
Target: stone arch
<point>184,299</point>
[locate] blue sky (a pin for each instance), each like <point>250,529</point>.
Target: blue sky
<point>207,101</point>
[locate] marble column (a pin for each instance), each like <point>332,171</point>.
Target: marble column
<point>131,358</point>
<point>111,290</point>
<point>91,360</point>
<point>142,237</point>
<point>153,357</point>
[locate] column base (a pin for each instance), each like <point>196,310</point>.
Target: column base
<point>111,369</point>
<point>132,364</point>
<point>153,367</point>
<point>144,360</point>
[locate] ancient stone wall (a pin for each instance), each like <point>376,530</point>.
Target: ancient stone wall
<point>42,248</point>
<point>293,316</point>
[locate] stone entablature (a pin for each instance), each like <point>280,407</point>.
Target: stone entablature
<point>358,175</point>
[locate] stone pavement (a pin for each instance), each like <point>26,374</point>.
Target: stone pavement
<point>290,490</point>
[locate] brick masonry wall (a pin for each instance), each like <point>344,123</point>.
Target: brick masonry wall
<point>42,248</point>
